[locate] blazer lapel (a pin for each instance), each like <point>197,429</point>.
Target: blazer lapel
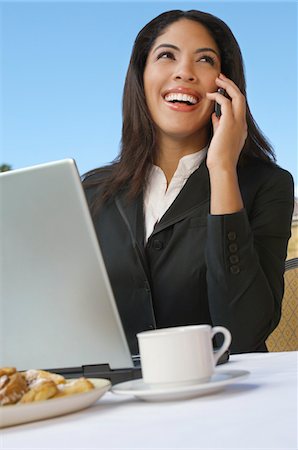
<point>194,193</point>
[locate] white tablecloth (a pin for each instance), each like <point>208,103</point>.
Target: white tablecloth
<point>258,412</point>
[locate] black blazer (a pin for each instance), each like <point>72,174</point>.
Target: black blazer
<point>200,268</point>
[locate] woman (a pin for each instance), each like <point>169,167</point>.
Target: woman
<point>194,217</point>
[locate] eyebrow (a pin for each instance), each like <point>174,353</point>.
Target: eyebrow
<point>198,50</point>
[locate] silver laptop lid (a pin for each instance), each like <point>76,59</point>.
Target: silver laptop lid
<point>56,304</point>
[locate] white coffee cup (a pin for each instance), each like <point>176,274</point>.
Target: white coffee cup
<point>180,355</point>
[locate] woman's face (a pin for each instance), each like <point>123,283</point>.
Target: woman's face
<point>181,67</point>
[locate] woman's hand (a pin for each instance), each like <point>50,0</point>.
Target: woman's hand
<point>229,135</point>
<point>230,130</point>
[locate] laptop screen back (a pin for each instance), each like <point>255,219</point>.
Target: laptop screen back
<point>56,305</point>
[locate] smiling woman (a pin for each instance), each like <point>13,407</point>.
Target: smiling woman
<point>193,219</point>
<point>175,69</point>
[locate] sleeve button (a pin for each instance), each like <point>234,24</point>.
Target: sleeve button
<point>232,235</point>
<point>235,269</point>
<point>234,259</point>
<point>233,247</point>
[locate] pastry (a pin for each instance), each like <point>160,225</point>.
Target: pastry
<point>36,385</point>
<point>41,389</point>
<point>4,379</point>
<point>74,387</point>
<point>13,390</point>
<point>34,374</point>
<point>7,370</point>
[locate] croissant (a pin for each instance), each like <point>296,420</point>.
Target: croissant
<point>4,379</point>
<point>33,374</point>
<point>7,371</point>
<point>13,389</point>
<point>36,385</point>
<point>40,390</point>
<point>74,387</point>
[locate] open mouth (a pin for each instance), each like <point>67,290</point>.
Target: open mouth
<point>185,99</point>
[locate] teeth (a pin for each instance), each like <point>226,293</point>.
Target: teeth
<point>181,98</point>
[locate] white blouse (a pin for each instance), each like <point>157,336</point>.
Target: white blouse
<point>158,197</point>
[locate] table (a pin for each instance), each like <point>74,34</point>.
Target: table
<point>258,412</point>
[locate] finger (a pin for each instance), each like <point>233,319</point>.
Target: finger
<point>223,80</point>
<point>238,99</point>
<point>230,87</point>
<point>215,122</point>
<point>224,102</point>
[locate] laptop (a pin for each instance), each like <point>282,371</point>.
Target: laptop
<point>57,309</point>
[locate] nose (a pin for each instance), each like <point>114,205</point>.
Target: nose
<point>185,72</point>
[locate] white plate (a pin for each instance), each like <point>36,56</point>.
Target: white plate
<point>146,392</point>
<point>22,413</point>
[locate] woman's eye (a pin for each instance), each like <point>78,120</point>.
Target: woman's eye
<point>207,59</point>
<point>166,55</point>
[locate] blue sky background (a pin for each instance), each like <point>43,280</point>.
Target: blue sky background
<point>63,66</point>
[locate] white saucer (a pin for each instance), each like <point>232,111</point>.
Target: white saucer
<point>146,392</point>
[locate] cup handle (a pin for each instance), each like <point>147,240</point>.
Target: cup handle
<point>226,343</point>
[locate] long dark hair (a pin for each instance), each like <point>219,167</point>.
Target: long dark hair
<point>138,143</point>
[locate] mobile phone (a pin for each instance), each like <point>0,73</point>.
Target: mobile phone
<point>217,107</point>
